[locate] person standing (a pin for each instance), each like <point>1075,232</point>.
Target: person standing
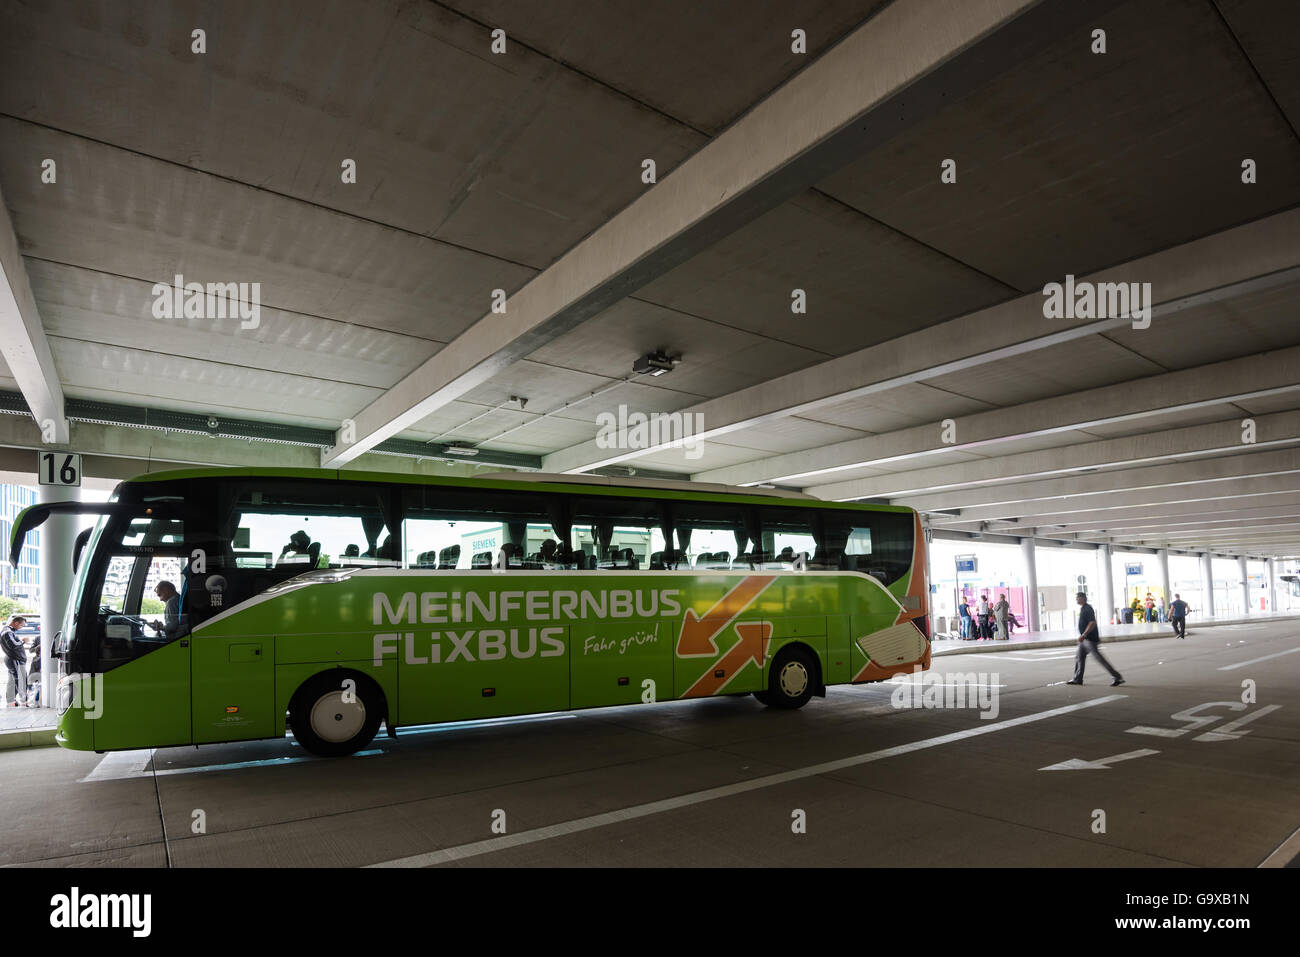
<point>982,617</point>
<point>1178,616</point>
<point>1151,607</point>
<point>1089,637</point>
<point>15,656</point>
<point>1000,612</point>
<point>964,611</point>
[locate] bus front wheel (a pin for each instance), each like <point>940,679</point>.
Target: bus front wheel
<point>791,680</point>
<point>336,713</point>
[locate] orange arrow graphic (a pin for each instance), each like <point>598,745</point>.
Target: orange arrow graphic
<point>753,644</point>
<point>696,638</point>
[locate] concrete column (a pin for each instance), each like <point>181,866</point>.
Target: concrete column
<point>1107,596</point>
<point>1207,585</point>
<point>1244,572</point>
<point>1162,562</point>
<point>1272,585</point>
<point>57,536</point>
<point>1031,580</point>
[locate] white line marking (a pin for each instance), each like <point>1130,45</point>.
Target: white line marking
<point>1229,732</point>
<point>1285,853</point>
<point>1100,764</point>
<point>1242,664</point>
<point>120,765</point>
<point>564,828</point>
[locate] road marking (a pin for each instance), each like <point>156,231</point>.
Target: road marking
<point>462,851</point>
<point>1229,732</point>
<point>1242,664</point>
<point>1286,852</point>
<point>125,765</point>
<point>120,765</point>
<point>1102,764</point>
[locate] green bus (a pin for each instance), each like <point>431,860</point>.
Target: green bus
<point>219,605</point>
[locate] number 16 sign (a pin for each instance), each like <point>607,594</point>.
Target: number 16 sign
<point>59,468</point>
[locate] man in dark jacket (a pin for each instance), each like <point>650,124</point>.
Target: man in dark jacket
<point>15,656</point>
<point>1088,639</point>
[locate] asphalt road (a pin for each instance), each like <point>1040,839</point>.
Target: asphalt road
<point>1197,777</point>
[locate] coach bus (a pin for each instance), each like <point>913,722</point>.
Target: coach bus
<point>218,605</point>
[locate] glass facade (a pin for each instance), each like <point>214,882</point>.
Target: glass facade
<point>24,582</point>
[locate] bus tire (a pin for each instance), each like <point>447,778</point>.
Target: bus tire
<point>328,726</point>
<point>792,679</point>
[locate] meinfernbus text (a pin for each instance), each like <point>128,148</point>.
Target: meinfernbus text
<point>215,605</point>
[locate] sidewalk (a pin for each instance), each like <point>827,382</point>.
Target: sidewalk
<point>1060,639</point>
<point>27,727</point>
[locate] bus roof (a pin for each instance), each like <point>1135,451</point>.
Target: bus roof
<point>612,485</point>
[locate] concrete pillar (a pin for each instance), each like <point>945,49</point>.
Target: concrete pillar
<point>57,536</point>
<point>1244,572</point>
<point>1207,585</point>
<point>1272,585</point>
<point>1106,609</point>
<point>1031,580</point>
<point>1162,563</point>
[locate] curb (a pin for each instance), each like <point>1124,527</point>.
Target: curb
<point>985,647</point>
<point>27,738</point>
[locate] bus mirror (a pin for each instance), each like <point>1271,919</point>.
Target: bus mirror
<point>82,537</point>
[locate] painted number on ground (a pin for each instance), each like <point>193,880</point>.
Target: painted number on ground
<point>1193,719</point>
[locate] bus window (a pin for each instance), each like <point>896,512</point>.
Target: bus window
<point>295,527</point>
<point>479,529</point>
<point>619,534</point>
<point>787,537</point>
<point>710,534</point>
<point>140,603</point>
<point>878,544</point>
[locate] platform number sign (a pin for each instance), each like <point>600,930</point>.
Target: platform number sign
<point>59,468</point>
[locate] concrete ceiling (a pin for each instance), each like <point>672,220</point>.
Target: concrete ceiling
<point>478,172</point>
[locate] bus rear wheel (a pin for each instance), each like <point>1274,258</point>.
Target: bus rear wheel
<point>331,718</point>
<point>791,680</point>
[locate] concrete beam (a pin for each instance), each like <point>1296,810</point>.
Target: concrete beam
<point>1217,438</point>
<point>113,452</point>
<point>1027,512</point>
<point>22,337</point>
<point>1226,468</point>
<point>845,103</point>
<point>1074,522</point>
<point>1246,259</point>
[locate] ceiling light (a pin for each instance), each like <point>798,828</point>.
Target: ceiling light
<point>465,450</point>
<point>654,364</point>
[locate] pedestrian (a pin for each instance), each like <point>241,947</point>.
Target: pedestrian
<point>1151,607</point>
<point>1178,616</point>
<point>1089,637</point>
<point>1000,612</point>
<point>15,656</point>
<point>34,672</point>
<point>982,613</point>
<point>1163,611</point>
<point>964,611</point>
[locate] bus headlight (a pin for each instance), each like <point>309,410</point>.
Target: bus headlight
<point>65,692</point>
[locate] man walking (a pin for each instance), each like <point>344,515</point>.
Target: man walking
<point>1088,639</point>
<point>15,656</point>
<point>1178,616</point>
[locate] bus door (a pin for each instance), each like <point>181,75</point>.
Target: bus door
<point>141,695</point>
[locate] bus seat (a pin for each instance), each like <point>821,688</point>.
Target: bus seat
<point>449,557</point>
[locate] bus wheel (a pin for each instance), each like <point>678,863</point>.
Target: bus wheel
<point>792,679</point>
<point>328,725</point>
